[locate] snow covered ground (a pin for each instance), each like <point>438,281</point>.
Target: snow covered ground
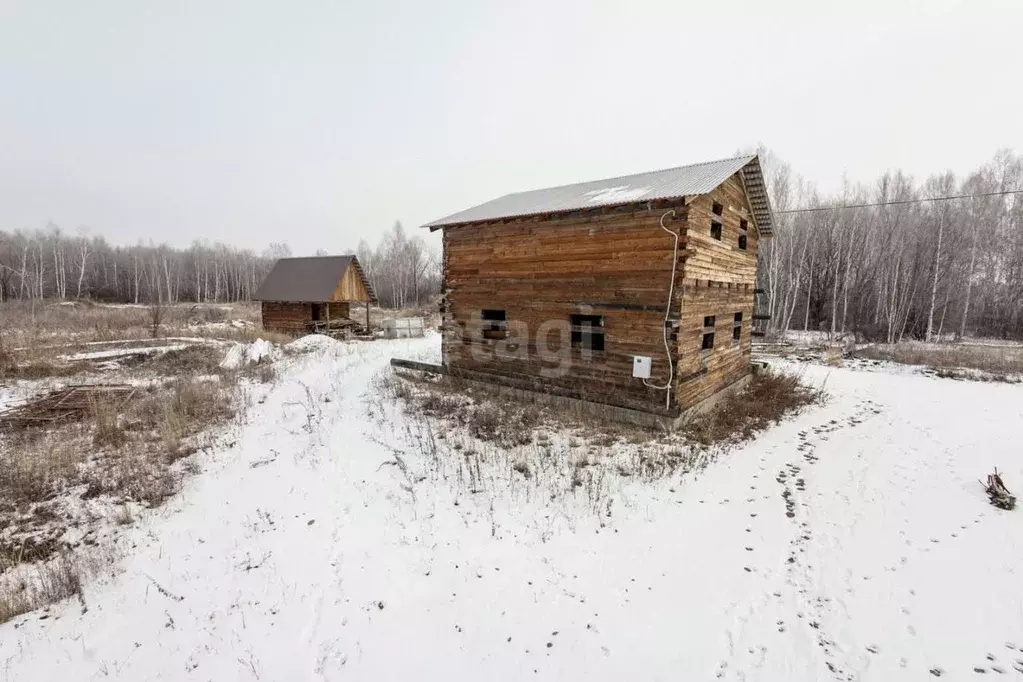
<point>852,542</point>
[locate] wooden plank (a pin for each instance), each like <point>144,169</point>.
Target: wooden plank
<point>351,287</point>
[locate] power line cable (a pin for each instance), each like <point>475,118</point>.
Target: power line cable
<point>900,202</point>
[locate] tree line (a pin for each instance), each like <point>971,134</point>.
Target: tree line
<point>908,268</point>
<point>404,271</point>
<point>904,269</point>
<point>51,263</point>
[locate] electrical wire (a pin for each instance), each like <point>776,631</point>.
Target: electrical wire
<point>667,315</point>
<point>900,202</point>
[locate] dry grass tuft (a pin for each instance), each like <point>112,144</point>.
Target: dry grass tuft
<point>107,431</point>
<point>770,396</point>
<point>32,464</point>
<point>250,334</point>
<point>197,359</point>
<point>186,408</point>
<point>34,366</point>
<point>127,456</point>
<point>265,372</point>
<point>1000,361</point>
<point>32,586</point>
<point>34,324</point>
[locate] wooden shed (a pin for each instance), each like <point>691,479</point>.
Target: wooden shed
<point>635,291</point>
<point>307,294</point>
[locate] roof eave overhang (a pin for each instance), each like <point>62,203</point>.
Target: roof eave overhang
<point>652,205</point>
<point>752,176</point>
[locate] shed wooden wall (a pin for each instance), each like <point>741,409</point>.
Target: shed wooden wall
<point>718,280</point>
<point>289,318</point>
<point>294,318</point>
<point>351,287</point>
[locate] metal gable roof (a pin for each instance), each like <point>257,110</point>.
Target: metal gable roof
<point>683,181</point>
<point>309,280</point>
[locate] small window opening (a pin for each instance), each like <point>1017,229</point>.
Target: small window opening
<point>587,332</point>
<point>743,225</point>
<point>316,312</point>
<point>715,230</point>
<point>708,321</point>
<point>495,324</point>
<point>736,333</point>
<point>708,341</point>
<point>738,317</point>
<point>717,209</point>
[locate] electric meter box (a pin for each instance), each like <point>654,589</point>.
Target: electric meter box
<point>641,366</point>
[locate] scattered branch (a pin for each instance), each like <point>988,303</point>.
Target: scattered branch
<point>998,493</point>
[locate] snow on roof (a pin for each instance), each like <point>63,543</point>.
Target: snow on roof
<point>683,181</point>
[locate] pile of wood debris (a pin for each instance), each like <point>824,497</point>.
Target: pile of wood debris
<point>998,493</point>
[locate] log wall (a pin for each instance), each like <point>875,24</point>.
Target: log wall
<point>289,318</point>
<point>719,279</point>
<point>617,265</point>
<point>294,318</point>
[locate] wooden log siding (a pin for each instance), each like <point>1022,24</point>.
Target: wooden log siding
<point>338,310</point>
<point>294,318</point>
<point>351,288</point>
<point>616,265</point>
<point>289,318</point>
<point>719,280</point>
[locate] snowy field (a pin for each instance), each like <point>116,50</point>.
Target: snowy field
<point>321,542</point>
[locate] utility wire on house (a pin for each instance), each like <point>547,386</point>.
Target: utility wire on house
<point>903,201</point>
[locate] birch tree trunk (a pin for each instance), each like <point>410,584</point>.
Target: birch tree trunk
<point>937,271</point>
<point>969,272</point>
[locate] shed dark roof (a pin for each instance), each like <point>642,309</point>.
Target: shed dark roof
<point>683,181</point>
<point>312,280</point>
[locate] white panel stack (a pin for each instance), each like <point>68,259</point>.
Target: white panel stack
<point>403,327</point>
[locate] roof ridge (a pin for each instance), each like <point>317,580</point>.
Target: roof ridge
<point>678,181</point>
<point>630,175</point>
<point>343,255</point>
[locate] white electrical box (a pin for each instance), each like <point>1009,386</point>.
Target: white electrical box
<point>641,366</point>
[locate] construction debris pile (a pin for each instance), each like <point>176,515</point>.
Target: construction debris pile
<point>998,493</point>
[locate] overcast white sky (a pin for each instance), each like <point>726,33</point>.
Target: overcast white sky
<point>321,122</point>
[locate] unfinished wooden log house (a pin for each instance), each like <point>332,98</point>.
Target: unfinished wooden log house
<point>636,292</point>
<point>303,295</point>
